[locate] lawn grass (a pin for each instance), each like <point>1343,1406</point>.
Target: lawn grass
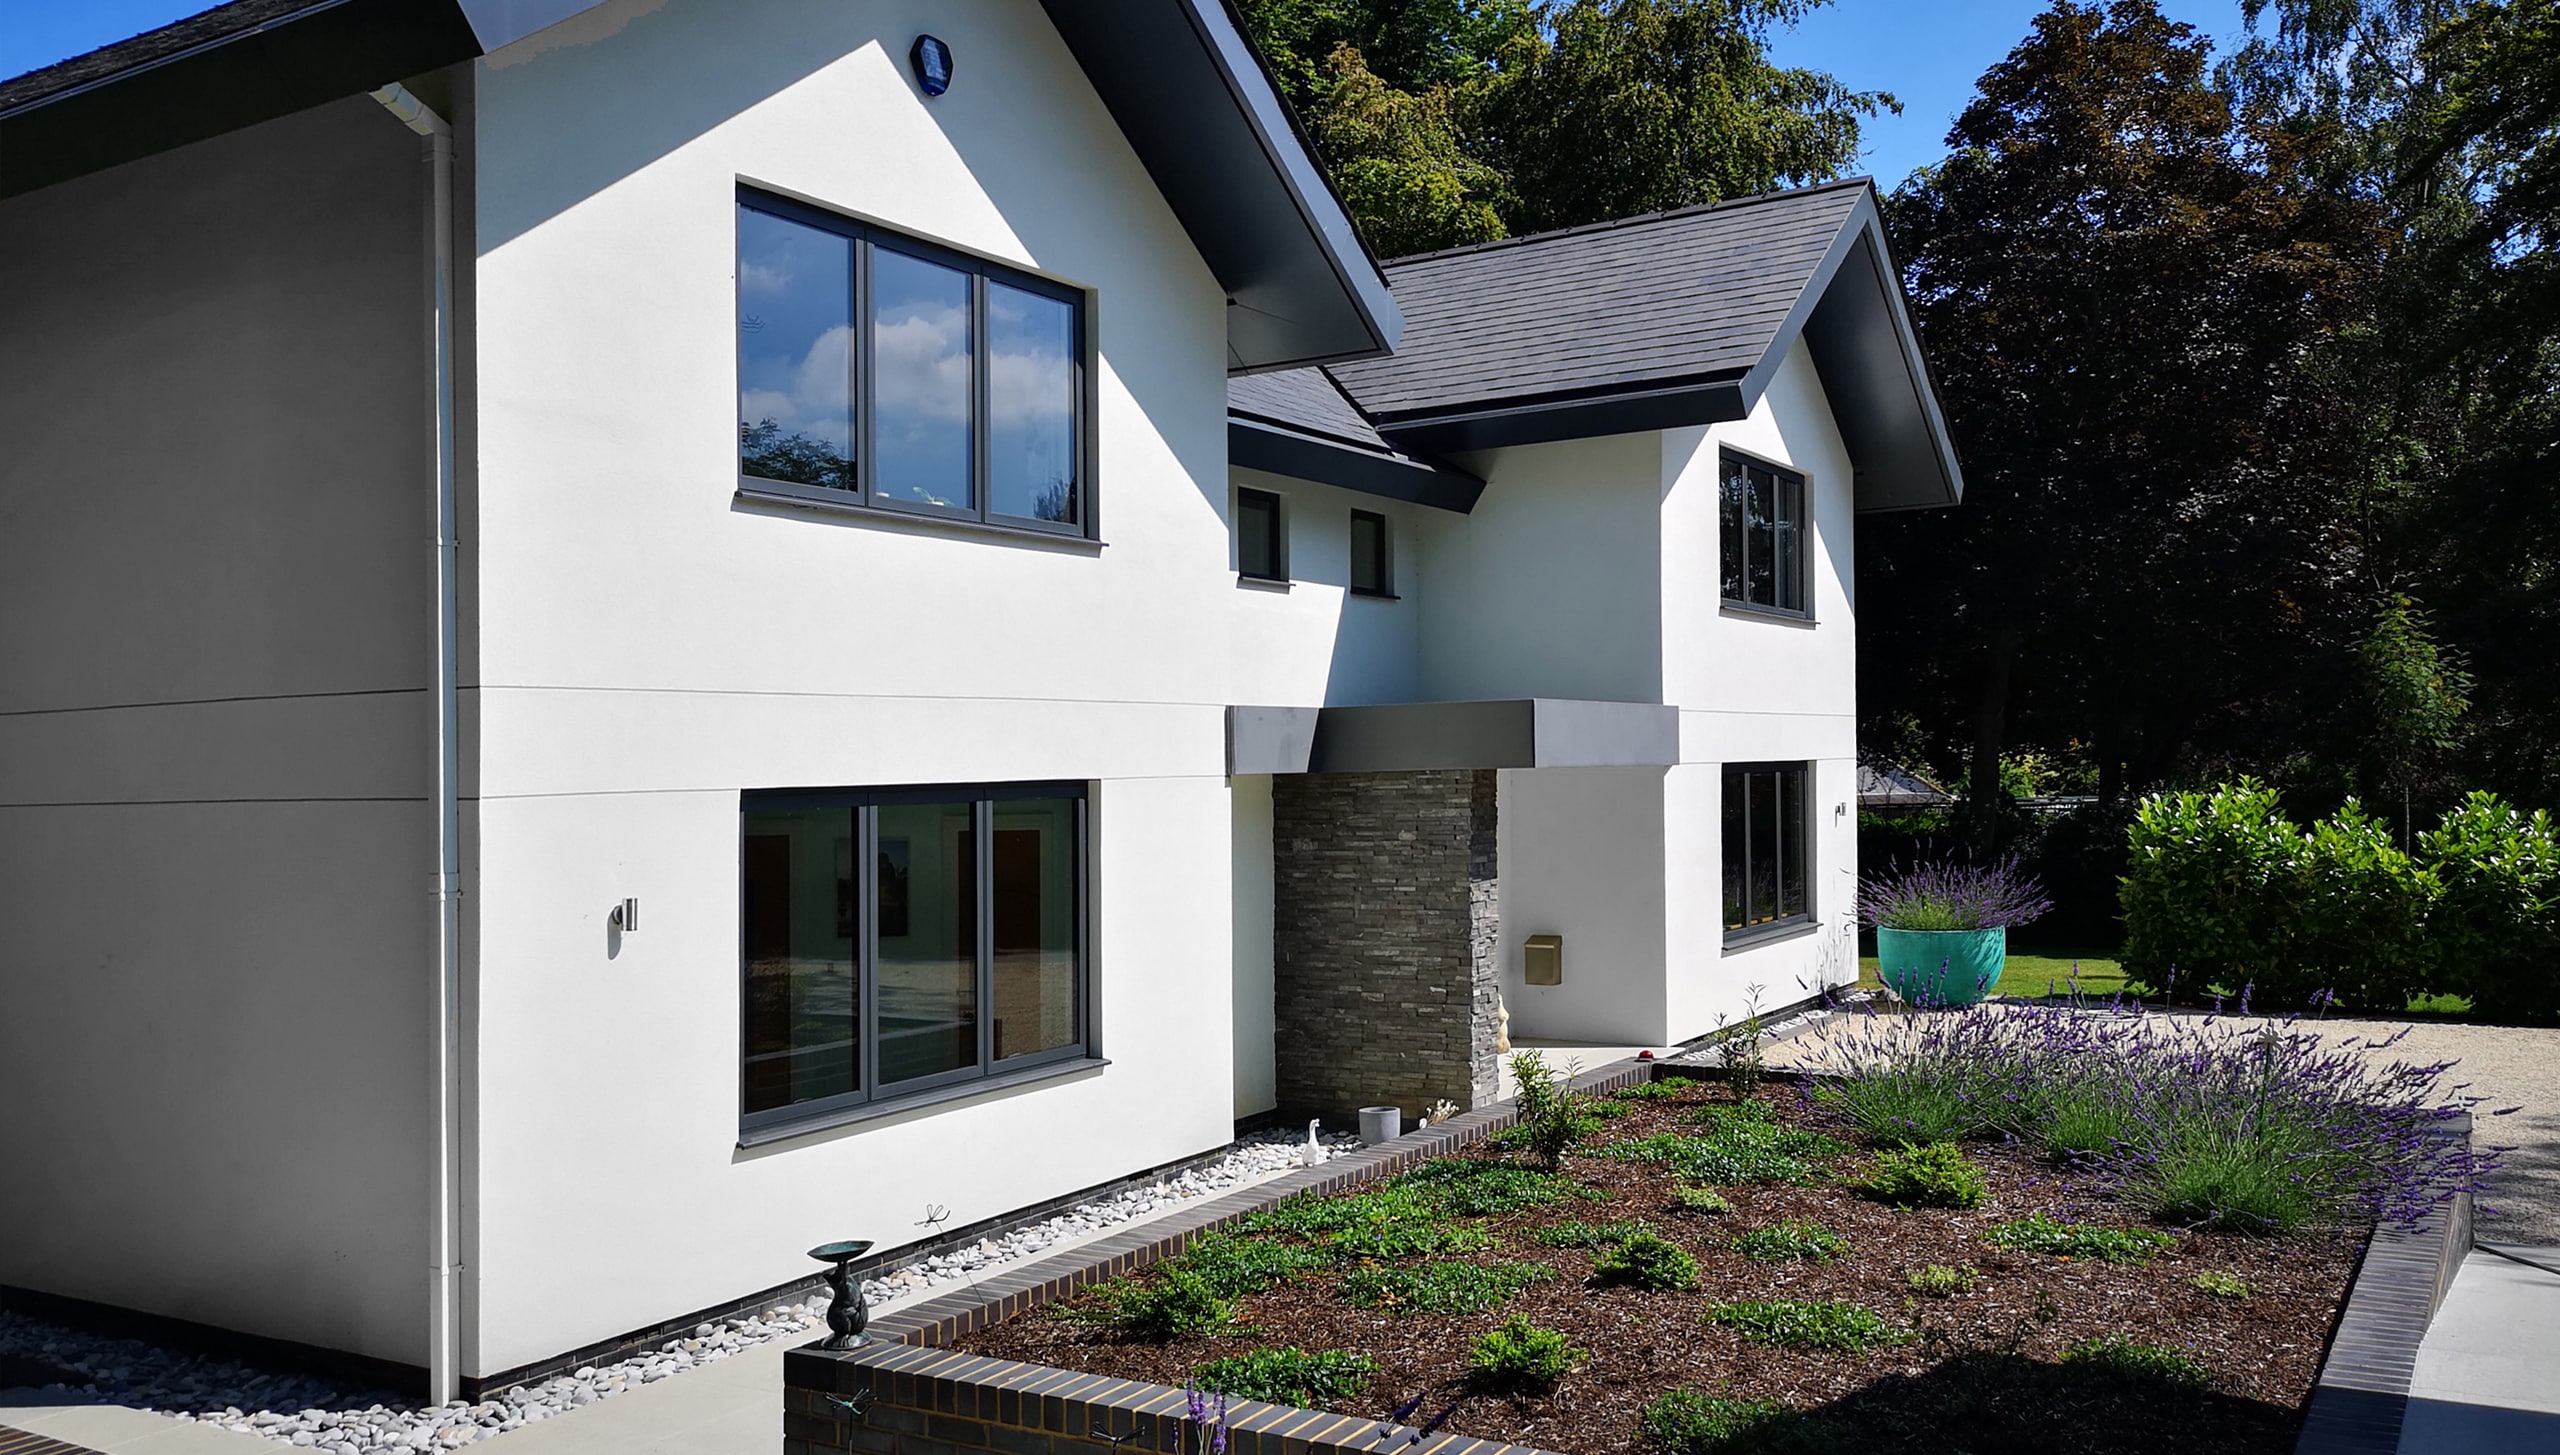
<point>2027,976</point>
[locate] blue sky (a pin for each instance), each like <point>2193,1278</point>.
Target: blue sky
<point>1927,52</point>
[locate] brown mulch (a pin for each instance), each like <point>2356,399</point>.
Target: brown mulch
<point>1981,1377</point>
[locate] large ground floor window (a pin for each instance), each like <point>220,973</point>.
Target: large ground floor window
<point>1764,848</point>
<point>958,952</point>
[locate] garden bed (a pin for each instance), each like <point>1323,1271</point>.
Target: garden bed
<point>1404,1278</point>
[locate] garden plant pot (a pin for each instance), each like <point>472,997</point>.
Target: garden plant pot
<point>1380,1124</point>
<point>1941,967</point>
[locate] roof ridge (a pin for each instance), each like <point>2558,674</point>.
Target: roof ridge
<point>1636,220</point>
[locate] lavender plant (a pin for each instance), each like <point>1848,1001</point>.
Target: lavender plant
<point>2246,1125</point>
<point>1951,895</point>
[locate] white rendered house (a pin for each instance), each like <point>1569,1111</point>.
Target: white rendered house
<point>631,640</point>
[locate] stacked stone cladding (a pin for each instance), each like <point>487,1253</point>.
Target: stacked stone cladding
<point>1387,912</point>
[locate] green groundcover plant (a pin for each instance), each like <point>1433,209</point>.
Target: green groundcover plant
<point>2038,1234</point>
<point>1790,1238</point>
<point>1937,1174</point>
<point>1793,1324</point>
<point>1291,1376</point>
<point>1645,1259</point>
<point>1693,1422</point>
<point>2116,1358</point>
<point>1521,1356</point>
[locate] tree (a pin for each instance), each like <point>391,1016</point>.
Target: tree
<point>2124,284</point>
<point>2417,693</point>
<point>1453,121</point>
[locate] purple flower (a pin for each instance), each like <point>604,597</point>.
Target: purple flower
<point>1951,896</point>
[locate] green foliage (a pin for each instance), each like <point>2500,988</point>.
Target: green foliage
<point>1692,1422</point>
<point>1291,1376</point>
<point>1660,1088</point>
<point>2039,1234</point>
<point>1396,1220</point>
<point>1313,1214</point>
<point>1941,1280</point>
<point>1938,1174</point>
<point>1846,1327</point>
<point>1175,1303</point>
<point>1551,1120</point>
<point>1231,1266</point>
<point>1441,1288</point>
<point>2223,889</point>
<point>2245,1177</point>
<point>2223,1285</point>
<point>1743,1142</point>
<point>1737,1048</point>
<point>1522,1356</point>
<point>1645,1259</point>
<point>1469,1187</point>
<point>1689,1197</point>
<point>1452,121</point>
<point>2496,920</point>
<point>1791,1238</point>
<point>1390,1242</point>
<point>1909,1104</point>
<point>2116,1358</point>
<point>1574,1233</point>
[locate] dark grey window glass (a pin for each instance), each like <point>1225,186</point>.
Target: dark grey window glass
<point>924,390</point>
<point>1372,564</point>
<point>1261,544</point>
<point>800,907</point>
<point>896,941</point>
<point>795,352</point>
<point>906,376</point>
<point>1762,536</point>
<point>1764,847</point>
<point>1031,405</point>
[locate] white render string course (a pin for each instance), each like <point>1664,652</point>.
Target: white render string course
<point>309,1412</point>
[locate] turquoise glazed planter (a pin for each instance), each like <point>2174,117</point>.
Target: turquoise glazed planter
<point>1941,967</point>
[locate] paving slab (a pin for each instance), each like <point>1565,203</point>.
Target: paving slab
<point>115,1430</point>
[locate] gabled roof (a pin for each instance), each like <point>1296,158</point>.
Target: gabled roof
<point>1678,318</point>
<point>1178,76</point>
<point>1298,422</point>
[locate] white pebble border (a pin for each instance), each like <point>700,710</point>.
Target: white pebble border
<point>342,1419</point>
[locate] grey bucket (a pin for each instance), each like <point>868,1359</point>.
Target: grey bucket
<point>1380,1124</point>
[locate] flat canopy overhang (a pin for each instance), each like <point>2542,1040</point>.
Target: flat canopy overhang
<point>1408,737</point>
<point>1178,76</point>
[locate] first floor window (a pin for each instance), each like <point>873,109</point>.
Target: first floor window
<point>1762,535</point>
<point>1372,565</point>
<point>895,941</point>
<point>896,374</point>
<point>1262,541</point>
<point>1764,847</point>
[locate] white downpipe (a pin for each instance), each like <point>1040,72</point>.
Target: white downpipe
<point>443,1270</point>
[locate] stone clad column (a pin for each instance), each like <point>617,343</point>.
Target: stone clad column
<point>1387,911</point>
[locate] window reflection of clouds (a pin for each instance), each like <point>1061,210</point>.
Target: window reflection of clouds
<point>923,384</point>
<point>1031,465</point>
<point>795,354</point>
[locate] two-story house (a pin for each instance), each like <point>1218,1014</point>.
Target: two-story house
<point>634,636</point>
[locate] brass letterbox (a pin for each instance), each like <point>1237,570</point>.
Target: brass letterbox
<point>1542,960</point>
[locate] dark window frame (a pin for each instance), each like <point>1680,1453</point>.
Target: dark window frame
<point>1386,586</point>
<point>1786,477</point>
<point>872,1094</point>
<point>1776,926</point>
<point>1279,534</point>
<point>866,237</point>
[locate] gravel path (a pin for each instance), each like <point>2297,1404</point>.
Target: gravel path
<point>2511,1066</point>
<point>345,1419</point>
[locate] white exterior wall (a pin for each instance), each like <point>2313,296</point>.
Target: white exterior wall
<point>653,646</point>
<point>216,965</point>
<point>1256,1074</point>
<point>1312,643</point>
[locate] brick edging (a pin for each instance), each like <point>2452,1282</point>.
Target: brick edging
<point>14,1441</point>
<point>2363,1393</point>
<point>924,1399</point>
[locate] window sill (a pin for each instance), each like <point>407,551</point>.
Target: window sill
<point>815,499</point>
<point>1770,934</point>
<point>771,1133</point>
<point>1372,595</point>
<point>1768,614</point>
<point>1262,583</point>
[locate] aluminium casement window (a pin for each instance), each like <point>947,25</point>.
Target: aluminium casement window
<point>958,953</point>
<point>1763,536</point>
<point>1262,536</point>
<point>1372,555</point>
<point>1765,855</point>
<point>881,371</point>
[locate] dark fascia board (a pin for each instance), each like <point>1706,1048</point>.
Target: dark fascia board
<point>1516,733</point>
<point>308,57</point>
<point>1198,107</point>
<point>1257,445</point>
<point>1583,416</point>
